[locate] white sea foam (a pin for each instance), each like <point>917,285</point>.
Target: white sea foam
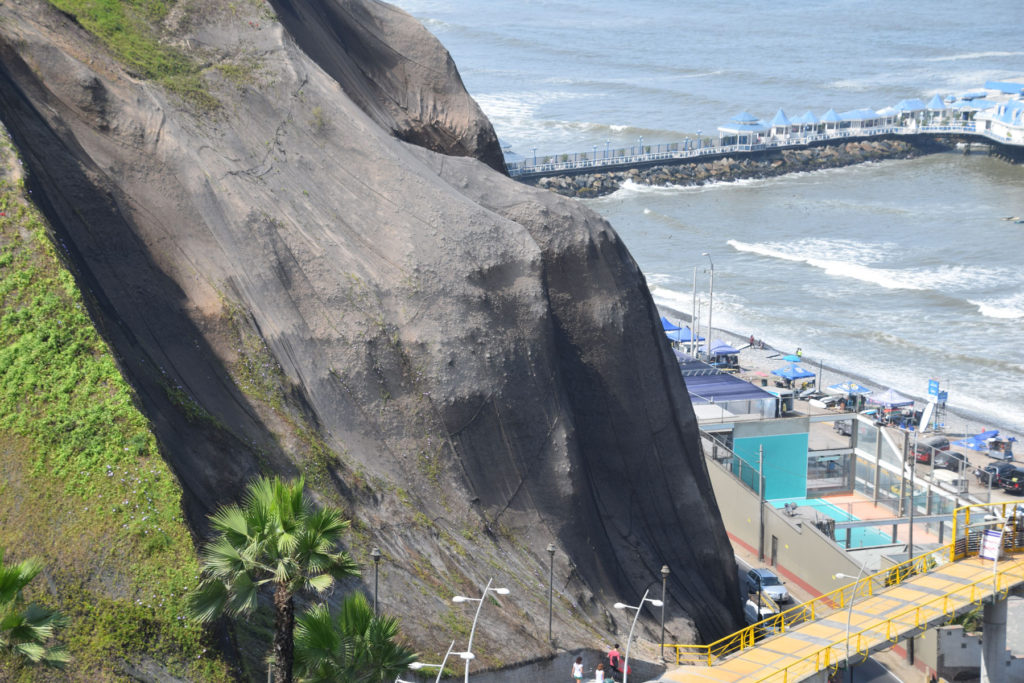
<point>1007,308</point>
<point>973,55</point>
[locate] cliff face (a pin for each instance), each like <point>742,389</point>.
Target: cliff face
<point>473,368</point>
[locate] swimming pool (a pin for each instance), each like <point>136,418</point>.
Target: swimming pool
<point>860,537</point>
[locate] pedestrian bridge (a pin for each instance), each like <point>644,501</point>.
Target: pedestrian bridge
<point>870,614</point>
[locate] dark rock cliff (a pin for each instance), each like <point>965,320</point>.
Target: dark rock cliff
<point>473,368</point>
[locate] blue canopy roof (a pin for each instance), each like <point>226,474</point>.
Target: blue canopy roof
<point>850,388</point>
<point>808,118</point>
<point>1005,87</point>
<point>793,371</point>
<point>914,104</point>
<point>780,120</point>
<point>744,117</point>
<point>683,334</point>
<point>891,399</point>
<point>720,348</point>
<point>974,95</point>
<point>978,442</point>
<point>888,111</point>
<point>830,116</point>
<point>936,103</point>
<point>859,115</point>
<point>668,325</point>
<point>722,387</point>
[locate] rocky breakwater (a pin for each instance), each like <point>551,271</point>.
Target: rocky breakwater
<point>720,169</point>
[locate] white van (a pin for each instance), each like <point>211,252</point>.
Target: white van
<point>750,612</point>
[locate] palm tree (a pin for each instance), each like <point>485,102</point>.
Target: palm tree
<point>359,648</point>
<point>24,630</point>
<point>276,538</point>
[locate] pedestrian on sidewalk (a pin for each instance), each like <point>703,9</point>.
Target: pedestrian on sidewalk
<point>577,670</point>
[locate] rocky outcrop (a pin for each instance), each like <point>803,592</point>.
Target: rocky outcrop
<point>729,168</point>
<point>471,367</point>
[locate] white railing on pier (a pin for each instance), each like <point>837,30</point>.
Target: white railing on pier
<point>691,149</point>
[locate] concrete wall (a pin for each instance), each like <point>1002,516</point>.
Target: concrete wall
<point>956,655</point>
<point>806,557</point>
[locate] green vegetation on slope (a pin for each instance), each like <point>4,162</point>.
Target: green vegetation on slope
<point>126,28</point>
<point>82,484</point>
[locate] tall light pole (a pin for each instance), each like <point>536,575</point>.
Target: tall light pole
<point>641,144</point>
<point>440,667</point>
<point>606,143</point>
<point>693,317</point>
<point>849,613</point>
<point>534,156</point>
<point>664,580</point>
<point>711,297</point>
<point>375,554</point>
<point>468,654</point>
<point>629,638</point>
<point>551,584</point>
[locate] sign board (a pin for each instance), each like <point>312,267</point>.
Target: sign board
<point>990,543</point>
<point>943,396</point>
<point>933,387</point>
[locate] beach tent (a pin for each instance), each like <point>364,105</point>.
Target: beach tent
<point>793,371</point>
<point>720,348</point>
<point>891,399</point>
<point>791,358</point>
<point>682,335</point>
<point>978,442</point>
<point>668,325</point>
<point>849,388</point>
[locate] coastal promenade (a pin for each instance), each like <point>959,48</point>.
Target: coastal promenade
<point>695,150</point>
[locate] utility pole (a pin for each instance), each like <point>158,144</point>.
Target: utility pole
<point>760,505</point>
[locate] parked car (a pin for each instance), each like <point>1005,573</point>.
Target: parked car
<point>993,472</point>
<point>951,460</point>
<point>925,447</point>
<point>766,580</point>
<point>751,616</point>
<point>843,427</point>
<point>1013,482</point>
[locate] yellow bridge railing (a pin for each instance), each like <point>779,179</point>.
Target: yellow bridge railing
<point>969,523</point>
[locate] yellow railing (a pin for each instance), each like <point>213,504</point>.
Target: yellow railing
<point>807,611</point>
<point>917,618</point>
<point>971,520</point>
<point>966,542</point>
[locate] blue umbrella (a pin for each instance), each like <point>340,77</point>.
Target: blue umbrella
<point>793,371</point>
<point>791,358</point>
<point>682,335</point>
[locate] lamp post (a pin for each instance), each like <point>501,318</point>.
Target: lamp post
<point>534,156</point>
<point>375,554</point>
<point>629,638</point>
<point>606,143</point>
<point>711,297</point>
<point>664,580</point>
<point>641,144</point>
<point>551,584</point>
<point>849,614</point>
<point>468,654</point>
<point>594,158</point>
<point>440,667</point>
<point>700,140</point>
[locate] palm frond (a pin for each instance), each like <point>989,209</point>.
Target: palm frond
<point>207,602</point>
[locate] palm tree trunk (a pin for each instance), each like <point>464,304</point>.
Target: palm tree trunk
<point>284,627</point>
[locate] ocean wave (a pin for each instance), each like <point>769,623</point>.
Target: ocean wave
<point>1005,308</point>
<point>852,260</point>
<point>973,55</point>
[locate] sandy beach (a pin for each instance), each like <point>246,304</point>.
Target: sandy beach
<point>756,360</point>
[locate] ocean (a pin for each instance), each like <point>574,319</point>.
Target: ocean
<point>898,272</point>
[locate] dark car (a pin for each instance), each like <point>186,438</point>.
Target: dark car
<point>1013,482</point>
<point>951,460</point>
<point>993,473</point>
<point>766,580</point>
<point>844,427</point>
<point>925,447</point>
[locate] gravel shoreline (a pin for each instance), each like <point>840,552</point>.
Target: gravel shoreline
<point>957,422</point>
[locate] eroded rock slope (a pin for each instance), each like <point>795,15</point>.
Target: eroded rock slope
<point>326,275</point>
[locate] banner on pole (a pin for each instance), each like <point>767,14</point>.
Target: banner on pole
<point>990,543</point>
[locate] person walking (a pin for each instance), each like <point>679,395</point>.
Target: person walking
<point>613,662</point>
<point>577,670</point>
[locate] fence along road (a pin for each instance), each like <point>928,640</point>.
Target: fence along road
<point>882,608</point>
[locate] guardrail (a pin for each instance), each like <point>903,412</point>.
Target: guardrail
<point>967,542</point>
<point>674,151</point>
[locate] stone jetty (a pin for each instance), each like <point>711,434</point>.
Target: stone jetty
<point>726,168</point>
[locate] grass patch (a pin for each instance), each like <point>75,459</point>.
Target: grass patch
<point>84,486</point>
<point>125,27</point>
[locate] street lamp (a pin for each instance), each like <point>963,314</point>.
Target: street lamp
<point>551,584</point>
<point>711,298</point>
<point>468,654</point>
<point>594,159</point>
<point>664,579</point>
<point>415,666</point>
<point>375,554</point>
<point>641,144</point>
<point>534,156</point>
<point>606,143</point>
<point>849,614</point>
<point>629,638</point>
<point>700,140</point>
